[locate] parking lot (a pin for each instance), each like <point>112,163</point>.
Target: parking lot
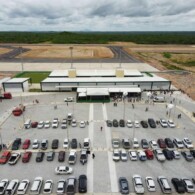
<point>102,171</point>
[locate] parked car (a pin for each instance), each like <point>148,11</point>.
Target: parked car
<point>69,99</point>
<point>83,156</point>
<point>159,155</point>
<point>23,187</point>
<point>179,185</point>
<point>144,144</point>
<point>152,123</point>
<point>123,185</point>
<point>74,143</point>
<point>82,124</point>
<point>66,143</point>
<point>136,124</point>
<point>161,143</point>
<point>63,170</point>
<point>123,154</point>
<point>129,124</point>
<point>191,151</point>
<point>69,117</point>
<point>61,186</point>
<point>55,144</point>
<point>116,155</point>
<point>169,143</point>
<point>35,144</point>
<point>82,186</point>
<point>121,123</point>
<point>189,187</point>
<point>26,157</point>
<point>115,123</point>
<point>171,123</point>
<point>150,184</point>
<point>71,186</point>
<point>187,155</point>
<point>12,187</point>
<point>133,155</point>
<point>36,185</point>
<point>55,123</point>
<point>144,124</point>
<point>3,185</point>
<point>61,156</point>
<point>178,143</point>
<point>74,123</point>
<point>26,144</point>
<point>142,155</point>
<point>109,123</point>
<point>34,124</point>
<point>40,156</point>
<point>164,185</point>
<point>14,158</point>
<point>86,143</point>
<point>16,144</point>
<point>149,154</point>
<point>138,184</point>
<point>64,123</point>
<point>163,123</point>
<point>5,157</point>
<point>72,157</point>
<point>126,143</point>
<point>176,154</point>
<point>47,189</point>
<point>135,143</point>
<point>153,144</point>
<point>50,155</point>
<point>168,154</point>
<point>40,125</point>
<point>188,143</point>
<point>47,124</point>
<point>44,144</point>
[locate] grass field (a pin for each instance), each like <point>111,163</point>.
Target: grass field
<point>36,77</point>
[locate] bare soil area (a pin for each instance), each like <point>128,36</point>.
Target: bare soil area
<point>4,50</point>
<point>64,52</point>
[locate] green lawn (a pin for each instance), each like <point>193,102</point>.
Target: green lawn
<point>36,77</point>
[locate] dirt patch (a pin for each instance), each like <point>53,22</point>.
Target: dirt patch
<point>6,74</point>
<point>64,52</point>
<point>4,50</point>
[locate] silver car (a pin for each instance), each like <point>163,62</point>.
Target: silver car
<point>138,184</point>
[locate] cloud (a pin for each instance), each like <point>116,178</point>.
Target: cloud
<point>114,15</point>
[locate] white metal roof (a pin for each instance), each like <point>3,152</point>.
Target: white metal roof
<point>59,73</point>
<point>97,91</point>
<point>128,90</point>
<point>132,73</point>
<point>17,80</point>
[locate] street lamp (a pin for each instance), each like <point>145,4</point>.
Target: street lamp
<point>124,99</point>
<point>71,54</point>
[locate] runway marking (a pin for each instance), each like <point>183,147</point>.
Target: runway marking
<point>111,163</point>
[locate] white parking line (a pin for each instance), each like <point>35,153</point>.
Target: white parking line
<point>90,160</point>
<point>111,163</point>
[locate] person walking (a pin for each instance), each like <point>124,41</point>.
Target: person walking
<point>101,128</point>
<point>93,155</point>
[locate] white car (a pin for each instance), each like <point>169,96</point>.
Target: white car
<point>159,155</point>
<point>133,155</point>
<point>69,116</point>
<point>69,99</point>
<point>55,123</point>
<point>138,184</point>
<point>63,170</point>
<point>123,155</point>
<point>86,143</point>
<point>171,123</point>
<point>24,184</point>
<point>150,184</point>
<point>188,185</point>
<point>142,155</point>
<point>14,158</point>
<point>74,123</point>
<point>176,154</point>
<point>64,124</point>
<point>36,185</point>
<point>40,125</point>
<point>163,123</point>
<point>178,143</point>
<point>135,143</point>
<point>61,186</point>
<point>47,124</point>
<point>116,155</point>
<point>35,144</point>
<point>48,187</point>
<point>72,157</point>
<point>188,143</point>
<point>82,124</point>
<point>66,143</point>
<point>12,187</point>
<point>136,124</point>
<point>3,185</point>
<point>153,144</point>
<point>129,123</point>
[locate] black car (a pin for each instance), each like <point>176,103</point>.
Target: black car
<point>168,154</point>
<point>109,123</point>
<point>82,187</point>
<point>83,157</point>
<point>179,185</point>
<point>16,144</point>
<point>115,123</point>
<point>144,124</point>
<point>122,123</point>
<point>187,155</point>
<point>192,153</point>
<point>169,143</point>
<point>123,185</point>
<point>55,144</point>
<point>144,144</point>
<point>40,156</point>
<point>61,156</point>
<point>152,123</point>
<point>74,143</point>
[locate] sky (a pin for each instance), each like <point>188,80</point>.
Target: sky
<point>97,15</point>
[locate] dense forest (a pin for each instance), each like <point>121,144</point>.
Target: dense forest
<point>98,37</point>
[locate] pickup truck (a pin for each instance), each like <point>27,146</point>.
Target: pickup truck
<point>14,158</point>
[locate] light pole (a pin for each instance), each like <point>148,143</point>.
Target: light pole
<point>71,55</point>
<point>124,100</point>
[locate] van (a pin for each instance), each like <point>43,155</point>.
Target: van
<point>165,187</point>
<point>36,186</point>
<point>27,124</point>
<point>159,99</point>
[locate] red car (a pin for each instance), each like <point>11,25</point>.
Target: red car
<point>5,157</point>
<point>26,157</point>
<point>149,154</point>
<point>26,144</point>
<point>161,143</point>
<point>34,124</point>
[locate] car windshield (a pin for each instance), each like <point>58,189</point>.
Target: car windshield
<point>124,185</point>
<point>116,154</point>
<point>135,142</point>
<point>179,142</point>
<point>124,154</point>
<point>171,122</point>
